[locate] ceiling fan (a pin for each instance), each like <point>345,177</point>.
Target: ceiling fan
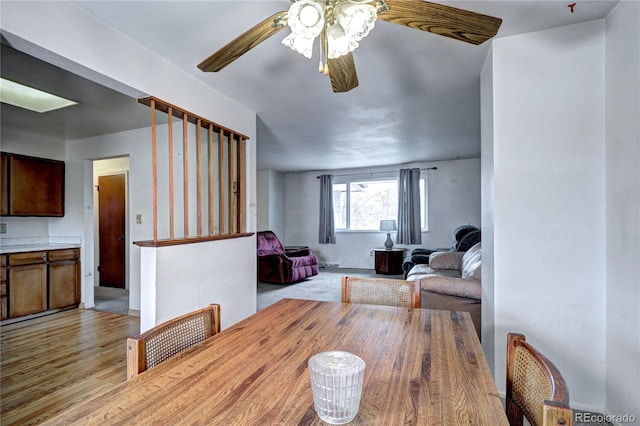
<point>341,24</point>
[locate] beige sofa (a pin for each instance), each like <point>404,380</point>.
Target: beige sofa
<point>452,281</point>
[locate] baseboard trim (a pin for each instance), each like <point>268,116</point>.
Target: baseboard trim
<point>134,313</point>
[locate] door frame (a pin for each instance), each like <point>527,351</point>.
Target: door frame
<point>96,224</point>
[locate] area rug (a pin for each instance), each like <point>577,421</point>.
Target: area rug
<point>325,286</point>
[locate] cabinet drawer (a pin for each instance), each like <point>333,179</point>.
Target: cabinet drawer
<point>67,254</point>
<point>3,273</point>
<point>27,258</point>
<point>3,260</point>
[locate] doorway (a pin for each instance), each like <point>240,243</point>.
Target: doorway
<point>111,289</point>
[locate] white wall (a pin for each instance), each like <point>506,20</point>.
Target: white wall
<point>276,201</point>
<point>189,277</point>
<point>453,199</point>
<point>262,200</point>
<point>550,236</point>
<point>487,201</point>
<point>622,177</point>
<point>67,36</point>
<point>135,145</point>
<point>17,142</point>
<point>270,201</point>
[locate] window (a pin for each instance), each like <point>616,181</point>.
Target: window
<point>360,204</point>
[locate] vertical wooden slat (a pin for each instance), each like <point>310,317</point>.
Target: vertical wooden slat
<point>154,169</point>
<point>221,183</point>
<point>241,185</point>
<point>185,171</point>
<point>171,212</point>
<point>232,184</point>
<point>199,174</point>
<point>211,174</point>
<point>229,216</point>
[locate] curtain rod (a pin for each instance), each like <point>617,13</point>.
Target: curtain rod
<point>373,173</point>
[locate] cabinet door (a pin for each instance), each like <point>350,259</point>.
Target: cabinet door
<point>64,284</point>
<point>27,289</point>
<point>4,187</point>
<point>4,313</point>
<point>36,186</point>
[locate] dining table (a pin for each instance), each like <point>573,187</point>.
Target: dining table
<point>423,367</point>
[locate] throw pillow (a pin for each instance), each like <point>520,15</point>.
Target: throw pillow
<point>445,260</point>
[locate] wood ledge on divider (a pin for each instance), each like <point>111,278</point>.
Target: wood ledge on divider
<point>178,112</point>
<point>190,240</point>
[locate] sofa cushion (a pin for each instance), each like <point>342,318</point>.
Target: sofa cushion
<point>453,286</point>
<point>469,240</point>
<point>418,271</point>
<point>268,243</point>
<point>446,260</point>
<point>471,264</point>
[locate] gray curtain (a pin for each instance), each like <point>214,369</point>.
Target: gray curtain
<point>409,226</point>
<point>327,232</point>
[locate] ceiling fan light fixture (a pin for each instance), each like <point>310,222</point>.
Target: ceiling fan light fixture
<point>302,45</point>
<point>357,19</point>
<point>306,18</point>
<point>345,23</point>
<point>338,42</point>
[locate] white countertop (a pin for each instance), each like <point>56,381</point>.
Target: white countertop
<point>22,245</point>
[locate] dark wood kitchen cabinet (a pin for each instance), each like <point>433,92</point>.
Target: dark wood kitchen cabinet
<point>32,186</point>
<point>64,278</point>
<point>39,282</point>
<point>4,184</point>
<point>27,283</point>
<point>4,303</point>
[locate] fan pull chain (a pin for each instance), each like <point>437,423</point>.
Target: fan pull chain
<point>323,69</point>
<point>320,67</point>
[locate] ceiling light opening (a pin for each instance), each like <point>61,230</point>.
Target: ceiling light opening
<point>26,97</point>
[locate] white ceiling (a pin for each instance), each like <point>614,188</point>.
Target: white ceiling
<point>418,98</point>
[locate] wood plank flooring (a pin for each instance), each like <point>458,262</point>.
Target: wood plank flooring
<point>51,363</point>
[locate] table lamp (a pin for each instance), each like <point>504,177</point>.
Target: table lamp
<point>388,226</point>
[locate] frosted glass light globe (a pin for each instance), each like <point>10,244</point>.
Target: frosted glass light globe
<point>309,15</point>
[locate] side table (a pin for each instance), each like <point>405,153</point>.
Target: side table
<point>389,262</point>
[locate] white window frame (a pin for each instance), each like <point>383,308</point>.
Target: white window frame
<point>348,179</point>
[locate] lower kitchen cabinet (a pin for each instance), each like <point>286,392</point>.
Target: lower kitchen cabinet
<point>39,282</point>
<point>64,284</point>
<point>4,303</point>
<point>27,289</point>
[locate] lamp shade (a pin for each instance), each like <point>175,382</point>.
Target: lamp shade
<point>388,225</point>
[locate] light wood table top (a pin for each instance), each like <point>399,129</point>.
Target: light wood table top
<point>422,367</point>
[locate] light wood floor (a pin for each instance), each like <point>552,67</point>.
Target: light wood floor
<point>53,362</point>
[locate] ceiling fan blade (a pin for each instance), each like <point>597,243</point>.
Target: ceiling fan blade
<point>244,42</point>
<point>448,21</point>
<point>342,72</point>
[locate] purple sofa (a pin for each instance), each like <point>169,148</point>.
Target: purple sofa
<point>280,266</point>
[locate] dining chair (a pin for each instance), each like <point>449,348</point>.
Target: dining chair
<point>170,338</point>
<point>535,387</point>
<point>381,291</point>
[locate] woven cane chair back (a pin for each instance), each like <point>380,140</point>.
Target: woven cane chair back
<point>171,338</point>
<point>381,291</point>
<point>535,387</point>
